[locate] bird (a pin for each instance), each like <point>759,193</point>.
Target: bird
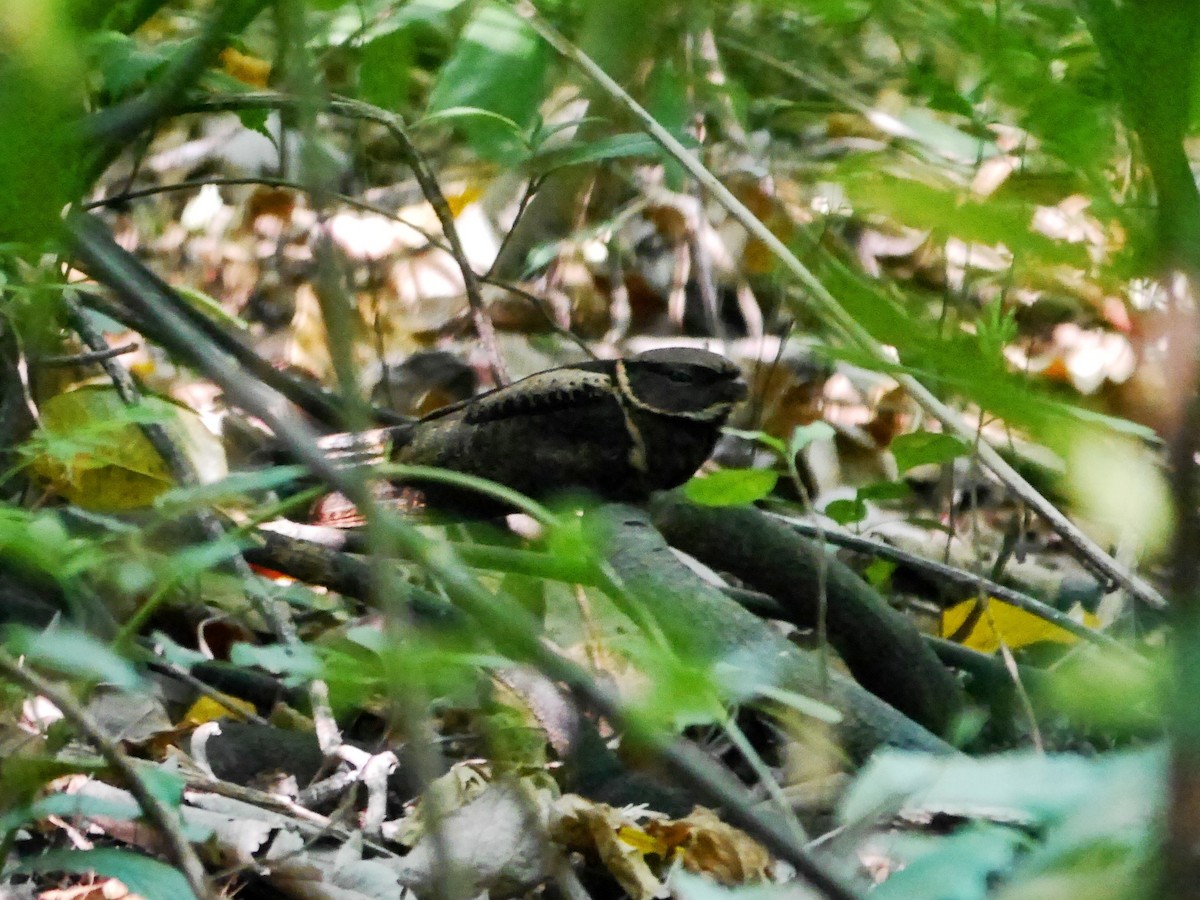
<point>618,429</point>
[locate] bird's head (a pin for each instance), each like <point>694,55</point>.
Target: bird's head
<point>682,382</point>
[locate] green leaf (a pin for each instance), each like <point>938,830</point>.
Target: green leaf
<point>1027,787</point>
<point>70,806</point>
<point>803,435</point>
<point>150,878</point>
<point>963,866</point>
<point>846,512</point>
<point>801,703</point>
<point>41,83</point>
<point>75,653</point>
<point>924,447</point>
<point>124,64</point>
<point>255,120</point>
<point>165,785</point>
<point>499,65</point>
<point>615,146</point>
<point>235,486</point>
<point>299,662</point>
<point>23,778</point>
<point>384,69</point>
<point>946,211</point>
<point>731,487</point>
<point>884,490</point>
<point>879,574</point>
<point>760,437</point>
<point>460,113</point>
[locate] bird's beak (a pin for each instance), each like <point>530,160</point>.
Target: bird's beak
<point>738,390</point>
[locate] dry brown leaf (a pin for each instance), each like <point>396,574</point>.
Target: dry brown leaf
<point>615,838</point>
<point>707,845</point>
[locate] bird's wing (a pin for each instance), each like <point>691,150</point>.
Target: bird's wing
<point>566,388</point>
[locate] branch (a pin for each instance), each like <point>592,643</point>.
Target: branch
<point>882,648</point>
<point>966,581</point>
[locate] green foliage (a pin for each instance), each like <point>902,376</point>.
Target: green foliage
<point>38,541</point>
<point>1094,817</point>
<point>924,447</point>
<point>41,81</point>
<point>147,877</point>
<point>547,157</point>
<point>731,487</point>
<point>123,63</point>
<point>963,865</point>
<point>297,663</point>
<point>74,653</point>
<point>498,67</point>
<point>846,511</point>
<point>944,210</point>
<point>1116,694</point>
<point>385,63</point>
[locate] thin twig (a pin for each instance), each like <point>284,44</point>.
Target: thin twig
<point>431,239</point>
<point>836,316</point>
<point>92,356</point>
<point>425,179</point>
<point>941,571</point>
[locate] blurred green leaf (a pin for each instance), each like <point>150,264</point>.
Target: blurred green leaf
<point>575,153</point>
<point>963,866</point>
<point>760,437</point>
<point>805,705</point>
<point>298,662</point>
<point>384,65</point>
<point>41,89</point>
<point>74,653</point>
<point>803,435</point>
<point>163,784</point>
<point>884,490</point>
<point>681,694</point>
<point>38,540</point>
<point>1022,787</point>
<point>150,878</point>
<point>70,806</point>
<point>499,65</point>
<point>87,806</point>
<point>125,64</point>
<point>731,487</point>
<point>235,486</point>
<point>846,512</point>
<point>925,447</point>
<point>467,113</point>
<point>1109,691</point>
<point>879,574</point>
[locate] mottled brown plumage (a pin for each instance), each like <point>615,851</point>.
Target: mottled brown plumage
<point>618,429</point>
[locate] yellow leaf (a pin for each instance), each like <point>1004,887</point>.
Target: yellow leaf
<point>208,709</point>
<point>1000,623</point>
<point>639,840</point>
<point>610,834</point>
<point>92,453</point>
<point>460,200</point>
<point>247,69</point>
